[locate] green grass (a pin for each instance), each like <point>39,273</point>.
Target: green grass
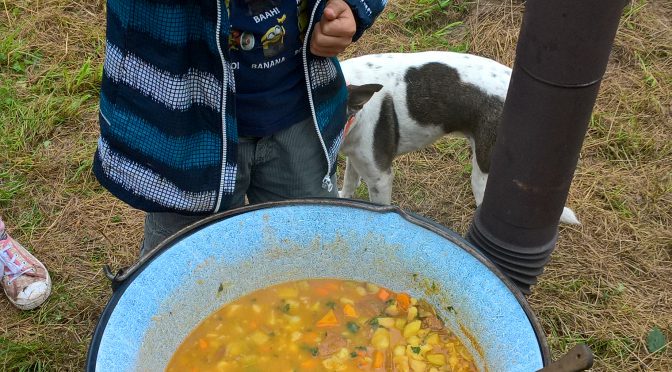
<point>427,40</point>
<point>429,11</point>
<point>362,191</point>
<point>11,185</point>
<point>37,97</point>
<point>57,309</point>
<point>48,99</point>
<point>427,25</point>
<point>620,347</point>
<point>32,356</point>
<point>565,286</point>
<point>615,199</point>
<point>648,77</point>
<point>605,344</point>
<point>631,11</point>
<point>599,294</point>
<point>455,150</point>
<point>29,219</point>
<point>623,142</point>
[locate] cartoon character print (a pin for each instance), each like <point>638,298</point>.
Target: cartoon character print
<point>246,41</point>
<point>234,40</point>
<point>241,40</point>
<point>273,39</point>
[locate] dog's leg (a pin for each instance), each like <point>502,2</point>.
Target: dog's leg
<point>379,183</point>
<point>351,180</point>
<point>478,178</point>
<point>380,187</point>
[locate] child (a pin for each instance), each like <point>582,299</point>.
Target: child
<point>25,280</point>
<point>206,102</point>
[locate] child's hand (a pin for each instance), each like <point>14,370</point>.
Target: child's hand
<point>335,31</point>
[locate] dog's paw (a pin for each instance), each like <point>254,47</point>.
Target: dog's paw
<point>569,217</point>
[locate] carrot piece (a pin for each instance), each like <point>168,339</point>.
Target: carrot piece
<point>378,359</point>
<point>349,311</point>
<point>404,301</point>
<point>324,288</point>
<point>202,344</point>
<point>383,294</point>
<point>328,320</point>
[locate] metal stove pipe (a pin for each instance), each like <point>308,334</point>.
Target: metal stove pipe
<point>561,56</point>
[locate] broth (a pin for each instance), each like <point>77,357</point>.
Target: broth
<point>323,325</point>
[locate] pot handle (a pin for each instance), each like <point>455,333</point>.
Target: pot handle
<point>115,279</point>
<point>580,358</point>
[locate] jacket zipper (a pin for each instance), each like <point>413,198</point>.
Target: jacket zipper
<point>326,181</point>
<point>225,80</point>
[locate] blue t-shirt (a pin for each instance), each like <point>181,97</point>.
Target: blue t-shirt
<point>265,48</point>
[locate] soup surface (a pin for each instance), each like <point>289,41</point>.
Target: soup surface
<point>323,325</point>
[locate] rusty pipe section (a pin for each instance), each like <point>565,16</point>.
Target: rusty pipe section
<point>561,56</point>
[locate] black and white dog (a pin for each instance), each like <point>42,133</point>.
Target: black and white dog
<point>421,97</point>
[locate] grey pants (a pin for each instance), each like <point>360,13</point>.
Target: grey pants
<point>289,164</point>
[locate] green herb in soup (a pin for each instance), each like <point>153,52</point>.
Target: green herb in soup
<point>323,325</point>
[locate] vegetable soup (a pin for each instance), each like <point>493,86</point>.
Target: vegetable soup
<point>323,325</point>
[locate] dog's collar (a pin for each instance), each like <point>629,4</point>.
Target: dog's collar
<point>348,125</point>
<point>351,120</point>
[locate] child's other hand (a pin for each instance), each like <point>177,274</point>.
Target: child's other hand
<point>335,31</point>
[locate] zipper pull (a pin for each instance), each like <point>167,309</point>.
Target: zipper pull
<point>326,183</point>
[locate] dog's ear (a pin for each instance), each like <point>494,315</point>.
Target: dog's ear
<point>358,95</point>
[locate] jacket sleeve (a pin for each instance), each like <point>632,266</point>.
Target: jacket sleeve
<point>365,11</point>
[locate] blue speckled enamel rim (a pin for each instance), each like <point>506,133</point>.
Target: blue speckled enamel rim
<point>507,295</point>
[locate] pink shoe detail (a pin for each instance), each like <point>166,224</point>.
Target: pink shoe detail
<point>25,280</point>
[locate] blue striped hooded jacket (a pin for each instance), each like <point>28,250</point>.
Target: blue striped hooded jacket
<point>168,131</point>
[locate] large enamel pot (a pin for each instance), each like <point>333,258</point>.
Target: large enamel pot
<point>156,303</point>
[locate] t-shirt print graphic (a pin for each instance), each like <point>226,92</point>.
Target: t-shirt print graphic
<point>273,40</point>
<point>265,49</point>
<point>238,40</point>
